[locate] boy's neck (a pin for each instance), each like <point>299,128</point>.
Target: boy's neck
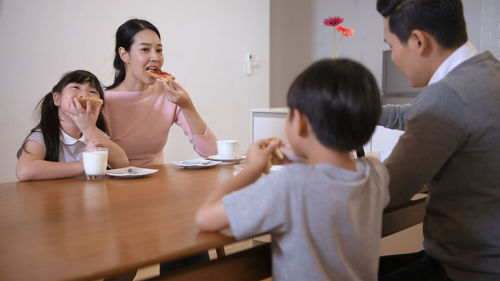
<point>319,154</point>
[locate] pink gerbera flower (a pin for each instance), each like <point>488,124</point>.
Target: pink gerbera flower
<point>348,32</point>
<point>344,31</point>
<point>333,21</point>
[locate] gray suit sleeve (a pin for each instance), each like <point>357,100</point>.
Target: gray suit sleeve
<point>394,116</point>
<point>433,133</point>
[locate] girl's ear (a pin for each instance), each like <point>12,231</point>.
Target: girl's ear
<point>124,55</point>
<point>57,98</point>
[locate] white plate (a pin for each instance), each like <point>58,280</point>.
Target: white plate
<point>130,172</point>
<point>235,159</point>
<point>198,163</point>
<point>275,168</point>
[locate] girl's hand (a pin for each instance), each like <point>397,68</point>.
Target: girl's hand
<point>259,154</point>
<point>94,144</point>
<point>177,94</point>
<point>83,118</point>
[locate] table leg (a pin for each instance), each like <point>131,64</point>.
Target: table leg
<point>220,252</point>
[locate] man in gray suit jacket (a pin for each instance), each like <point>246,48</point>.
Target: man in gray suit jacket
<point>451,142</point>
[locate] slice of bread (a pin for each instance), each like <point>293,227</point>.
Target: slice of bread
<point>158,74</point>
<point>93,100</point>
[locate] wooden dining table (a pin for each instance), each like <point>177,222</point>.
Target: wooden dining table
<point>74,229</point>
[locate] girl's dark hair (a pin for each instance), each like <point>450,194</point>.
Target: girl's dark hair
<point>444,19</point>
<point>49,117</point>
<point>125,38</point>
<point>341,101</point>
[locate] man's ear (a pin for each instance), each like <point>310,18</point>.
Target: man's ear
<point>124,55</point>
<point>421,42</point>
<point>57,98</point>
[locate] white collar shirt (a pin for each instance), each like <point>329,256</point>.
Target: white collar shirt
<point>70,149</point>
<point>463,53</point>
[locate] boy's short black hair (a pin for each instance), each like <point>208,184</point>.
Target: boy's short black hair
<point>443,19</point>
<point>341,101</point>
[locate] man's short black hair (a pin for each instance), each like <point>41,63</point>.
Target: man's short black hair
<point>341,101</point>
<point>443,19</point>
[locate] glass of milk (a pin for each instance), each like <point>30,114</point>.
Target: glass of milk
<point>95,161</point>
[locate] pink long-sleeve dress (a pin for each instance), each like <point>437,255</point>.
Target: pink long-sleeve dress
<point>140,122</point>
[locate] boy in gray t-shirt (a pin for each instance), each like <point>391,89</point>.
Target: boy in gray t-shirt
<point>324,215</point>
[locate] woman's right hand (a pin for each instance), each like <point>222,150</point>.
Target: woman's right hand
<point>177,94</point>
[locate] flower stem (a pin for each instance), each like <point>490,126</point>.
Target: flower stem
<point>338,49</point>
<point>334,43</point>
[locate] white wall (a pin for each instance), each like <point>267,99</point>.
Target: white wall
<point>205,47</point>
<point>298,36</point>
<point>291,46</point>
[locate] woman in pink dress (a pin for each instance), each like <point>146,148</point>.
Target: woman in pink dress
<point>141,109</point>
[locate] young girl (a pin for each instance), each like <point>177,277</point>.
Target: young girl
<point>54,147</point>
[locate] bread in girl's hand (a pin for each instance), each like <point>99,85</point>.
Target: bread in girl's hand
<point>93,101</point>
<point>158,74</point>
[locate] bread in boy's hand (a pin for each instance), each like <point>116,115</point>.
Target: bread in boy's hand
<point>276,151</point>
<point>93,101</point>
<point>158,74</point>
<point>276,155</point>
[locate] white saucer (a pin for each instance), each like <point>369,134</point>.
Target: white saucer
<point>130,172</point>
<point>234,159</point>
<point>198,163</point>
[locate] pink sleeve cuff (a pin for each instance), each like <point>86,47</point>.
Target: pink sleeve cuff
<point>205,145</point>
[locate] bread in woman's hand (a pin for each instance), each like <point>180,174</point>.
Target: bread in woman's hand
<point>93,101</point>
<point>158,74</point>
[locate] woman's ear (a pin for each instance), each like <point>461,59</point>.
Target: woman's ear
<point>124,55</point>
<point>57,98</point>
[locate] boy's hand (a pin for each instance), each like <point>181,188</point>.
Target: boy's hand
<point>259,154</point>
<point>290,156</point>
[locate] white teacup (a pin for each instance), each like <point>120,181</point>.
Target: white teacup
<point>228,149</point>
<point>95,161</point>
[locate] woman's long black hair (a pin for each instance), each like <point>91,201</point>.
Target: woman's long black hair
<point>49,117</point>
<point>125,38</point>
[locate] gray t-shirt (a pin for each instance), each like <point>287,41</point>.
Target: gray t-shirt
<point>70,149</point>
<point>325,221</point>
